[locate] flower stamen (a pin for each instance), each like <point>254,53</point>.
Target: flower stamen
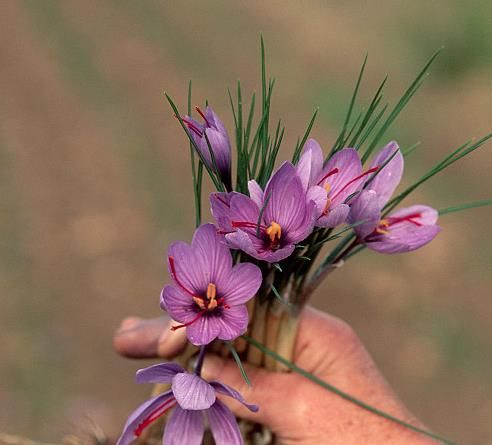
<point>274,231</point>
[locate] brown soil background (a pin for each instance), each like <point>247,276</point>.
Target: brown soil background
<point>95,183</point>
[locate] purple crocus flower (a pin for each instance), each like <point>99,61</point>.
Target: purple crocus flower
<point>404,230</point>
<point>268,224</point>
<point>331,184</point>
<point>209,293</point>
<point>192,399</point>
<point>217,135</point>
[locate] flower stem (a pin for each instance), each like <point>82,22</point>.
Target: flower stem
<point>199,360</point>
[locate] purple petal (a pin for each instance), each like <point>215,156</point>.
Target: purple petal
<point>243,283</point>
<point>184,427</point>
<point>310,163</point>
<point>214,120</point>
<point>244,209</point>
<point>285,199</point>
<point>246,242</point>
<point>343,183</point>
<point>192,392</point>
<point>222,388</point>
<point>274,256</point>
<point>220,208</point>
<point>255,192</point>
<point>405,239</point>
<point>233,322</point>
<point>221,149</point>
<point>188,273</point>
<point>336,216</point>
<point>223,425</point>
<point>137,417</point>
<point>319,196</point>
<point>160,373</point>
<point>386,181</point>
<point>212,253</point>
<point>365,208</point>
<point>178,304</point>
<point>203,330</point>
<point>305,226</point>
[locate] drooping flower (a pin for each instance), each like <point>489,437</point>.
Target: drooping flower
<point>193,399</point>
<point>209,294</point>
<point>217,135</point>
<point>403,230</point>
<point>268,224</point>
<point>332,184</point>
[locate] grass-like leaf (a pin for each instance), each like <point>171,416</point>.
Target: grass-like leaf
<point>301,142</point>
<point>450,159</point>
<point>238,361</point>
<point>407,95</point>
<point>470,205</point>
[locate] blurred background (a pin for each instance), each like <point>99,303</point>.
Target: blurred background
<point>94,178</point>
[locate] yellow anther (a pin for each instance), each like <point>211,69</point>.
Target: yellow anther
<point>381,227</point>
<point>274,231</point>
<point>327,187</point>
<point>199,301</point>
<point>211,291</point>
<point>327,206</point>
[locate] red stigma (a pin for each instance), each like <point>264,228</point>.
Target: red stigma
<point>174,276</point>
<point>191,126</point>
<point>248,225</point>
<point>198,316</point>
<point>202,114</point>
<point>371,170</point>
<point>154,415</point>
<point>410,218</point>
<point>330,173</point>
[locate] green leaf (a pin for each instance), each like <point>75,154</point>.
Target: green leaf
<point>341,137</point>
<point>340,393</point>
<point>470,205</point>
<point>197,178</point>
<point>278,296</point>
<point>450,159</point>
<point>237,359</point>
<point>407,95</point>
<point>300,144</point>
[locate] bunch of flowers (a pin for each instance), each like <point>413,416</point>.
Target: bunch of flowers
<point>270,225</point>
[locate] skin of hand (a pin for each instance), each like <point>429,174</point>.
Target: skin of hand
<point>297,410</point>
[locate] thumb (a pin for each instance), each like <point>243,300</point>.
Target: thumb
<point>266,390</point>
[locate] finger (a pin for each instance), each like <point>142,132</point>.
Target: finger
<point>266,386</point>
<point>326,344</point>
<point>140,338</point>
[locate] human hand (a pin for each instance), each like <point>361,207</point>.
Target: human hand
<point>297,410</point>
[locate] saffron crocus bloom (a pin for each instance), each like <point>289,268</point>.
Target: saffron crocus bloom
<point>332,184</point>
<point>268,224</point>
<point>217,135</point>
<point>209,293</point>
<point>192,399</point>
<point>404,230</point>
